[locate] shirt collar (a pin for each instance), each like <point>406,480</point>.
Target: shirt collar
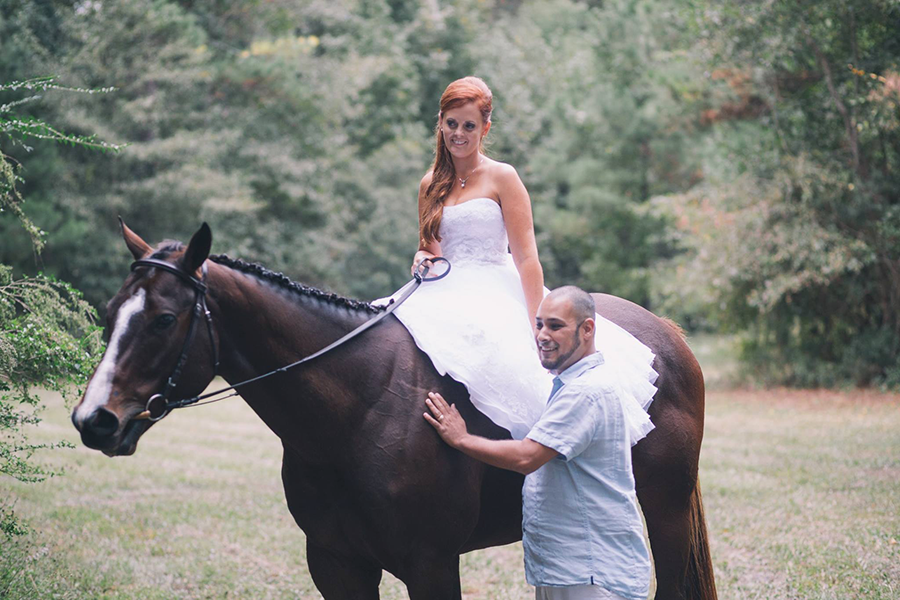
<point>587,363</point>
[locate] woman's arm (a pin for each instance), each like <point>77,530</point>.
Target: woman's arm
<point>516,207</point>
<point>432,249</point>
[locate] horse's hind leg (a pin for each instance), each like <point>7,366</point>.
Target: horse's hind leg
<point>679,543</point>
<point>667,526</point>
<point>669,493</point>
<point>342,578</point>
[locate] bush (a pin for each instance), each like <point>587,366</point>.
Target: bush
<point>48,336</point>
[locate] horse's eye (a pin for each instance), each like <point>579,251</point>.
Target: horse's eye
<point>163,322</point>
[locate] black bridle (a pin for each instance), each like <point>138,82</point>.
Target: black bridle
<point>159,405</point>
<point>160,402</point>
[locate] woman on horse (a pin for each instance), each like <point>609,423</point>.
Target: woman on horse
<point>477,324</point>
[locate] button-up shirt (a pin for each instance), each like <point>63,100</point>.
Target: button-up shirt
<point>581,523</point>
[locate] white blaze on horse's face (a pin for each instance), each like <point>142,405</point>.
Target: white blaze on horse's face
<point>100,387</point>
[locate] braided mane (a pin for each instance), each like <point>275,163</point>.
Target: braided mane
<point>284,282</point>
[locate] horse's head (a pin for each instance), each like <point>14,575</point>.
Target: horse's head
<point>147,322</point>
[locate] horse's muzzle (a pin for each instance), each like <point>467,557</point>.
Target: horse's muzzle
<point>102,430</point>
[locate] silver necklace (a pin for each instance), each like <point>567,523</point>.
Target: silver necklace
<point>462,182</point>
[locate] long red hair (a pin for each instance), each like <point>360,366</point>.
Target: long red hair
<point>460,92</point>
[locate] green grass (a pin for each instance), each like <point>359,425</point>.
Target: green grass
<point>801,492</point>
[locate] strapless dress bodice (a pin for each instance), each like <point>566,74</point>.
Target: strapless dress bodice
<point>473,233</point>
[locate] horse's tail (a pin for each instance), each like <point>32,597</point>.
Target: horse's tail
<point>700,582</point>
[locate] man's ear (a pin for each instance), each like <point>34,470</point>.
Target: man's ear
<point>588,327</point>
<point>138,247</point>
<point>198,249</point>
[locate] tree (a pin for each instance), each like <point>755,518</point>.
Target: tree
<point>48,336</point>
<point>795,231</point>
<point>593,106</point>
<point>300,131</point>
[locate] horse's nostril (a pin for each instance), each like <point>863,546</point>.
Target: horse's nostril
<point>102,423</point>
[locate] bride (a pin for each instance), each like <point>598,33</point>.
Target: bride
<point>477,324</point>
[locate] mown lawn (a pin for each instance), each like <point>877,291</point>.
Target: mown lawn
<point>802,495</point>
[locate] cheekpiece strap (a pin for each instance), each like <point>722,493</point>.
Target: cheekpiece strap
<point>160,402</point>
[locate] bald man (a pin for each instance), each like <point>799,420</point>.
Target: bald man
<point>581,528</point>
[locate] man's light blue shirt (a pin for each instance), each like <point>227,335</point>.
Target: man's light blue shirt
<point>581,523</point>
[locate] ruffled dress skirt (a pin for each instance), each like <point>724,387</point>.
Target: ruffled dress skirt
<point>474,326</point>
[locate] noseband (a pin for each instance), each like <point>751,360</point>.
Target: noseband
<point>159,405</point>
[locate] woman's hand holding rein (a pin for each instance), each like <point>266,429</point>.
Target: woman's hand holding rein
<point>419,257</point>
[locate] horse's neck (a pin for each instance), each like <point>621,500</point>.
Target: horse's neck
<point>262,328</point>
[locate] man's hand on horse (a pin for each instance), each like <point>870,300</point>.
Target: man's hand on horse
<point>445,419</point>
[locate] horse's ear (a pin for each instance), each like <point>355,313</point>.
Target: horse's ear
<point>198,249</point>
<point>139,248</point>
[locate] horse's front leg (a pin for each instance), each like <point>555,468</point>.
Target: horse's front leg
<point>432,578</point>
<point>340,577</point>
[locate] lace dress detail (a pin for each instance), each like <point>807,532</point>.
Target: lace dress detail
<point>474,326</point>
<point>472,233</point>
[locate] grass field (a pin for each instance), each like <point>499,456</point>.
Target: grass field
<point>802,496</point>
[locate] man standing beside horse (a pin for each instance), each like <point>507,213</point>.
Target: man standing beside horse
<point>581,528</point>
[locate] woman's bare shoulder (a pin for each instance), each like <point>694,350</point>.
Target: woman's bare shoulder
<point>503,172</point>
<point>426,180</point>
<point>505,181</point>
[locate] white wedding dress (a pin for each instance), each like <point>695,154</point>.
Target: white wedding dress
<point>473,324</point>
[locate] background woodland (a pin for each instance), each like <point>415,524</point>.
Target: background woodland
<point>733,165</point>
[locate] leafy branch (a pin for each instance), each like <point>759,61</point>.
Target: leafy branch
<point>48,332</point>
<point>19,128</point>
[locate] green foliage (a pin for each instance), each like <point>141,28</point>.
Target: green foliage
<point>730,164</point>
<point>590,106</point>
<point>300,133</point>
<point>48,338</point>
<point>793,235</point>
<point>19,130</point>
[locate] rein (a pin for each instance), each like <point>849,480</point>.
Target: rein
<point>159,405</point>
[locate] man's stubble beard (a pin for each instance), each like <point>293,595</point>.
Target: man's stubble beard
<point>562,359</point>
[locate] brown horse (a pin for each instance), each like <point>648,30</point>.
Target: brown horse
<point>364,474</point>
